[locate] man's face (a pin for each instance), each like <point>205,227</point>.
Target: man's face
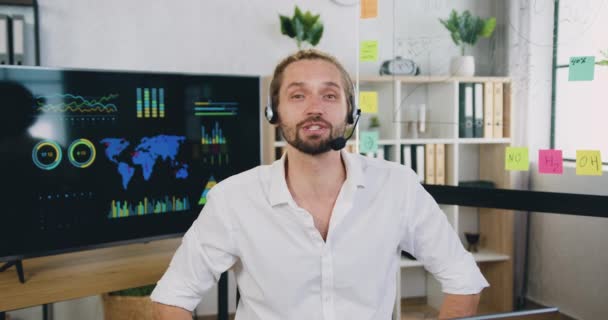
<point>312,106</point>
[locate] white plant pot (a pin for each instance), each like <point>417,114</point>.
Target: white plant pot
<point>462,66</point>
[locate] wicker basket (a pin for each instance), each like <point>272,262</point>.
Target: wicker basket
<point>127,308</point>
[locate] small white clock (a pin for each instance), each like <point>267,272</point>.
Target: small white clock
<point>346,3</point>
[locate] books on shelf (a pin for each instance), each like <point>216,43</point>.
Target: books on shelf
<point>498,110</point>
<point>465,110</point>
<point>488,110</point>
<point>429,164</point>
<point>480,110</point>
<point>428,161</point>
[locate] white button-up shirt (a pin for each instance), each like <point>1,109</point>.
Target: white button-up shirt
<point>284,269</point>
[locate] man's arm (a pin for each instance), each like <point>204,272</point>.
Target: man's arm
<point>458,305</point>
<point>167,312</point>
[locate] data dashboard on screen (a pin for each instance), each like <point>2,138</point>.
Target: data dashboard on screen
<point>92,158</point>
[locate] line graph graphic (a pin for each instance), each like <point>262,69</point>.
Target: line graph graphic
<point>72,104</point>
<point>215,109</point>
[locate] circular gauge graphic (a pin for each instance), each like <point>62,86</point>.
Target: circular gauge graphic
<point>46,154</point>
<point>81,153</point>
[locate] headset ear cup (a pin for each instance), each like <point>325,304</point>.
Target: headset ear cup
<point>350,119</point>
<point>270,114</point>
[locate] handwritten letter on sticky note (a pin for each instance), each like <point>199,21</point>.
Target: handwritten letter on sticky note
<point>588,163</point>
<point>581,68</point>
<point>368,141</point>
<point>369,9</point>
<point>550,162</point>
<point>368,100</point>
<point>368,52</point>
<point>516,159</point>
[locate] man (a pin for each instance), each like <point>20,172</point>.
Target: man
<point>317,234</point>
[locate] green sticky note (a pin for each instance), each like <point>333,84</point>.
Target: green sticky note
<point>368,51</point>
<point>588,163</point>
<point>368,141</point>
<point>516,159</point>
<point>581,68</point>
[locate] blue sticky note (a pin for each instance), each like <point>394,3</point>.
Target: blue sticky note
<point>368,141</point>
<point>581,68</point>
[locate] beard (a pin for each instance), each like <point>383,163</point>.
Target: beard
<point>314,145</point>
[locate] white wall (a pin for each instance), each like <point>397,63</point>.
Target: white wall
<point>225,37</point>
<point>215,36</point>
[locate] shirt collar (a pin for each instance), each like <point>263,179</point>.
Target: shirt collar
<point>279,193</point>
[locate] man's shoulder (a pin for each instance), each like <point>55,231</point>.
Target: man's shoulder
<point>243,181</point>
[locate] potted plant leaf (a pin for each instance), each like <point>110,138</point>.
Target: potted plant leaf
<point>128,304</point>
<point>603,62</point>
<point>303,27</point>
<point>465,30</point>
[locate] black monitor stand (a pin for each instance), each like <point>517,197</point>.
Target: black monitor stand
<point>19,265</point>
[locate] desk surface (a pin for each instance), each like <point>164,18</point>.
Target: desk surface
<point>86,273</point>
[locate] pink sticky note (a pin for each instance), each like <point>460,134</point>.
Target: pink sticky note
<point>550,161</point>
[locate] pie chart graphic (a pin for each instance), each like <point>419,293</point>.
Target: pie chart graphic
<point>47,154</point>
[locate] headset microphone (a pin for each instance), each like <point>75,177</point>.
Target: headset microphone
<point>340,142</point>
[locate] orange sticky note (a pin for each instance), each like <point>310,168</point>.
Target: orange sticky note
<point>550,161</point>
<point>588,163</point>
<point>369,9</point>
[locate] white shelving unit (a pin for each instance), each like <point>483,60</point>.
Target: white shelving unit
<point>398,100</point>
<point>466,159</point>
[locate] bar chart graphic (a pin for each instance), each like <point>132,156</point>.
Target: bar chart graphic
<point>214,146</point>
<point>215,109</point>
<point>216,135</point>
<point>150,102</point>
<point>168,204</point>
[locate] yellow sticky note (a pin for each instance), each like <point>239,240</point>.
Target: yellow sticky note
<point>368,51</point>
<point>588,163</point>
<point>369,9</point>
<point>368,100</point>
<point>516,159</point>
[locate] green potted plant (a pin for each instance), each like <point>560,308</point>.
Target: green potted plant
<point>465,30</point>
<point>303,27</point>
<point>128,304</point>
<point>605,61</point>
<point>374,123</point>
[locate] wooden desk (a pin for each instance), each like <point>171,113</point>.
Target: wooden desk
<point>86,273</point>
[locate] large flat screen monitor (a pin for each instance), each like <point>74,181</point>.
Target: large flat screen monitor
<point>94,158</point>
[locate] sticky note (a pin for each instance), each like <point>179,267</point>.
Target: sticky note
<point>550,162</point>
<point>581,68</point>
<point>368,51</point>
<point>369,9</point>
<point>516,159</point>
<point>588,163</point>
<point>368,101</point>
<point>368,141</point>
